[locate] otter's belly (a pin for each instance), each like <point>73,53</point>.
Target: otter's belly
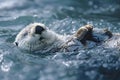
<point>76,45</point>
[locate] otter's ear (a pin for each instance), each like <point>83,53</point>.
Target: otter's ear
<point>39,29</point>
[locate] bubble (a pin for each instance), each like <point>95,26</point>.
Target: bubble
<point>6,66</point>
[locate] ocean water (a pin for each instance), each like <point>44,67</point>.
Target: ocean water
<point>63,17</point>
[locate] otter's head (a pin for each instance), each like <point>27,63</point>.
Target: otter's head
<point>34,36</point>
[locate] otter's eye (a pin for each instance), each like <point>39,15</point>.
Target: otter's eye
<point>26,33</point>
<point>39,29</point>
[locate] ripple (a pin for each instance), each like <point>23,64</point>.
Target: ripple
<point>63,17</point>
<point>4,4</point>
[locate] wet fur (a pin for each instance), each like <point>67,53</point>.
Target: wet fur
<point>29,38</point>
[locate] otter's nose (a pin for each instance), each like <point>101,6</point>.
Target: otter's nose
<point>16,43</point>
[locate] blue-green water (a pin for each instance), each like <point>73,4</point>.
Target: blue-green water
<point>64,17</point>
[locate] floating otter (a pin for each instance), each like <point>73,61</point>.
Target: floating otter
<point>37,37</point>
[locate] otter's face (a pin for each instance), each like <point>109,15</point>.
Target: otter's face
<point>34,36</point>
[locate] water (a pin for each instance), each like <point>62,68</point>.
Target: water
<point>64,17</point>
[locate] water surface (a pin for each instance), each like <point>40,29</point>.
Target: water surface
<point>64,17</point>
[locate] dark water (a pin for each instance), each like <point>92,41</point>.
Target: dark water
<point>64,17</point>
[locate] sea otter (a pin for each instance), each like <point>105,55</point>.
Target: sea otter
<point>38,37</point>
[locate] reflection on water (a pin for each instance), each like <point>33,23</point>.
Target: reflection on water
<point>64,17</point>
